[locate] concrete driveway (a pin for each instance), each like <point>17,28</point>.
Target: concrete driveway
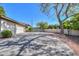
<point>34,44</point>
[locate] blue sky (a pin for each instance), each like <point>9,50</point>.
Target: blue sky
<point>27,13</point>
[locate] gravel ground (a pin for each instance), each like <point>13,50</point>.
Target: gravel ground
<point>34,44</point>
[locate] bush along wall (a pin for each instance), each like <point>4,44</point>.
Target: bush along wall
<point>6,34</point>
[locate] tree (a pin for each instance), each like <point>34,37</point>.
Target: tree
<point>73,23</point>
<point>42,25</point>
<point>50,26</point>
<point>66,24</point>
<point>60,10</point>
<point>56,26</point>
<point>2,11</point>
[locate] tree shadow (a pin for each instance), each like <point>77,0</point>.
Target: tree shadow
<point>24,44</point>
<point>9,43</point>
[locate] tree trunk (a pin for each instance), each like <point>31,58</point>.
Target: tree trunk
<point>61,25</point>
<point>59,20</point>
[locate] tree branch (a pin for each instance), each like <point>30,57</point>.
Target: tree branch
<point>61,9</point>
<point>55,7</point>
<point>70,16</point>
<point>67,8</point>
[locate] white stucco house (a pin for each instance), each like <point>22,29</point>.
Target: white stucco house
<point>7,23</point>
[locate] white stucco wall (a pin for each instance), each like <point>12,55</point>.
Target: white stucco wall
<point>6,25</point>
<point>19,29</point>
<point>71,32</point>
<point>15,28</point>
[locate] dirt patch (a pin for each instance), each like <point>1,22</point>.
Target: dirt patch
<point>71,41</point>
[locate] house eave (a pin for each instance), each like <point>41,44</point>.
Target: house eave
<point>11,20</point>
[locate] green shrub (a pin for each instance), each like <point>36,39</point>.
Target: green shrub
<point>6,33</point>
<point>28,28</point>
